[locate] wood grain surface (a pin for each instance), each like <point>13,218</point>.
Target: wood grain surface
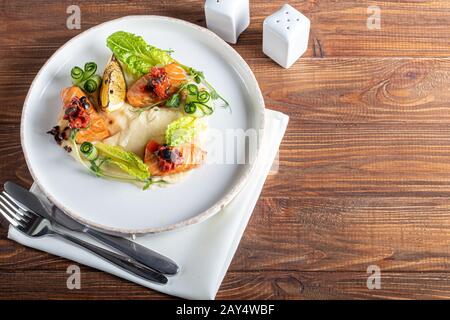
<point>364,176</point>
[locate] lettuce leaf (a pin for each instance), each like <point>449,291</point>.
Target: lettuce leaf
<point>133,52</point>
<point>183,130</point>
<point>125,160</point>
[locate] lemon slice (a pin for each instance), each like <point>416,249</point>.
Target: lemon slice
<point>114,88</point>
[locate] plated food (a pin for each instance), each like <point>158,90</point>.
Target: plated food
<point>143,120</point>
<point>123,208</point>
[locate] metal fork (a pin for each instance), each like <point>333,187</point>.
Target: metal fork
<point>34,225</point>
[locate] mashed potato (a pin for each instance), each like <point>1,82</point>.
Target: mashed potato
<point>133,130</point>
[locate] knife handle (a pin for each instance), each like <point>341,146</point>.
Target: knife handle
<point>147,257</point>
<point>118,260</point>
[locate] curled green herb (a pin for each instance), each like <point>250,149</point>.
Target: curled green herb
<point>89,151</point>
<point>197,100</point>
<point>190,108</point>
<point>86,79</point>
<point>73,135</point>
<point>76,74</point>
<point>91,85</point>
<point>89,69</point>
<point>193,106</point>
<point>199,77</point>
<point>192,89</point>
<point>203,96</point>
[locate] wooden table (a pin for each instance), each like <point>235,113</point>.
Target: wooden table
<point>364,174</point>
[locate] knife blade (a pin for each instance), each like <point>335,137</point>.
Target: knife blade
<point>145,256</point>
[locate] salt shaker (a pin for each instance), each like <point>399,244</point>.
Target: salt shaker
<point>227,18</point>
<point>285,35</point>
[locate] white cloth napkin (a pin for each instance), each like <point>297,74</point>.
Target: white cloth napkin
<point>203,251</point>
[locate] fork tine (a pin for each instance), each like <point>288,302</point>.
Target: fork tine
<point>24,210</point>
<point>10,219</point>
<point>16,205</point>
<point>12,210</point>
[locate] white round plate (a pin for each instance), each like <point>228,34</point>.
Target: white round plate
<point>121,207</point>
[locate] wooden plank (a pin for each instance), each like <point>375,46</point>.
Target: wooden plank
<point>338,28</point>
<point>333,285</point>
<point>347,234</point>
<point>237,285</point>
<point>346,92</point>
<point>319,234</point>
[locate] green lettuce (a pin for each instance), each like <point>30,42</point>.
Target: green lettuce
<point>183,130</point>
<point>125,160</point>
<point>133,52</point>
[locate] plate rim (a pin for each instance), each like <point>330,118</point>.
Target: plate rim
<point>222,202</point>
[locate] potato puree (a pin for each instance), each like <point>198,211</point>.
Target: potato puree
<point>132,130</point>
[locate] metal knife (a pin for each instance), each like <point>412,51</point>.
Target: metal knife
<point>145,256</point>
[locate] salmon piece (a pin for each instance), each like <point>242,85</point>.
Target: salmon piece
<point>188,157</point>
<point>67,94</point>
<point>176,74</point>
<point>97,129</point>
<point>139,96</point>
